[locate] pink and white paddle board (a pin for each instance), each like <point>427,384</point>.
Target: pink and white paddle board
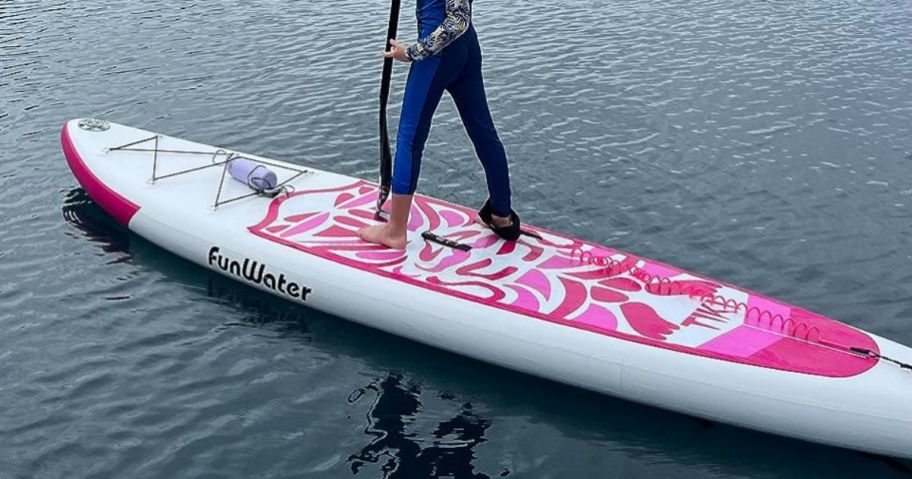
<point>549,305</point>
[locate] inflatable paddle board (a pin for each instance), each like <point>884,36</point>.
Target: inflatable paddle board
<point>548,304</point>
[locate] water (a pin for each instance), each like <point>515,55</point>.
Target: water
<point>767,144</point>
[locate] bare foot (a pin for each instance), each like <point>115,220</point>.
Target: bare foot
<point>383,234</point>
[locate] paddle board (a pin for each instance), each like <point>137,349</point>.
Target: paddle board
<point>548,304</point>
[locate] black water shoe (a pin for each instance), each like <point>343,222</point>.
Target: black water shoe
<point>509,233</point>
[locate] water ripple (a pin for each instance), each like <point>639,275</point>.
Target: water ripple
<point>764,143</point>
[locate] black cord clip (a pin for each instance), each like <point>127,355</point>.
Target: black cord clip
<point>435,238</point>
<point>872,354</point>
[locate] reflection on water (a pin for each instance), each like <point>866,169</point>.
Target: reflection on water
<point>261,308</point>
<point>96,225</point>
<point>448,451</point>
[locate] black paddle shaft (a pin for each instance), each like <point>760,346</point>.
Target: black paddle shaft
<point>386,156</point>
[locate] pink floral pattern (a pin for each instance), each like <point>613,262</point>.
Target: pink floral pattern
<point>547,279</point>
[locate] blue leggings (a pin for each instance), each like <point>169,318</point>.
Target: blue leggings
<point>457,69</point>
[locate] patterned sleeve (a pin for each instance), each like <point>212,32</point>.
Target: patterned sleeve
<point>456,22</point>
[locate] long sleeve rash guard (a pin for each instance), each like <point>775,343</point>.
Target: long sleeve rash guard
<point>456,20</point>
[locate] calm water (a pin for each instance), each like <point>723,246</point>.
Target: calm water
<point>766,143</point>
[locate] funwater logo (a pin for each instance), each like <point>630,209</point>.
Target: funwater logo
<point>256,273</point>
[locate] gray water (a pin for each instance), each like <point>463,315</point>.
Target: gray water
<point>764,143</point>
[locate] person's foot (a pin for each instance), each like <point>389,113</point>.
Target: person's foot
<point>501,221</point>
<point>506,227</point>
<point>498,221</point>
<point>383,234</point>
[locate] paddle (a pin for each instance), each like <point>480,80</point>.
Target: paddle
<point>386,156</point>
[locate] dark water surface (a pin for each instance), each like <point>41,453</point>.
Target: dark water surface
<point>765,143</point>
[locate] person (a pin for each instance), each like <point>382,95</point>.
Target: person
<point>446,57</point>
